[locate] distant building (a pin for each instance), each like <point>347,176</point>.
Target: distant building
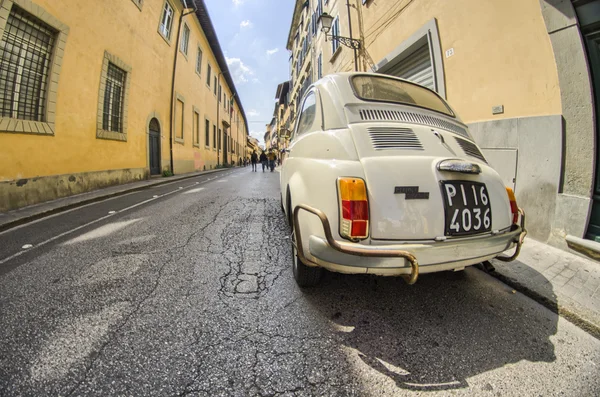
<point>518,72</point>
<point>88,98</point>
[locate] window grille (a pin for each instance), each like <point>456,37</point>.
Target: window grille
<point>112,114</point>
<point>25,58</point>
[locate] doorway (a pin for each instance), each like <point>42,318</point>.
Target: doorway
<point>154,146</point>
<point>588,14</point>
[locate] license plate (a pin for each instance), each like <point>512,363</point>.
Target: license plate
<point>467,208</point>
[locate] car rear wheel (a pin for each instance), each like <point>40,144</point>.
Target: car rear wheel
<point>305,276</point>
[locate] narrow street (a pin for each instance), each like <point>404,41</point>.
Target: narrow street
<point>187,289</point>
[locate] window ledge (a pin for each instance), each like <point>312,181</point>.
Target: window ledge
<point>335,54</point>
<point>197,145</point>
<point>179,140</point>
<point>18,126</point>
<point>138,3</point>
<point>166,39</point>
<point>185,55</point>
<point>111,135</point>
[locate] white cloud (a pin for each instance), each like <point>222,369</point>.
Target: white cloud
<point>246,24</point>
<point>240,72</point>
<point>255,80</point>
<point>260,135</point>
<point>252,113</point>
<point>238,3</point>
<point>273,51</point>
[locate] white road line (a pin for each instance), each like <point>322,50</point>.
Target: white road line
<point>2,261</point>
<point>12,229</point>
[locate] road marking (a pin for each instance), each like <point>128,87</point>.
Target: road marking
<point>27,246</point>
<point>45,242</point>
<point>94,203</point>
<point>111,212</point>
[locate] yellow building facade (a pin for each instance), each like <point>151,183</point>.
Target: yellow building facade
<point>87,95</point>
<point>516,71</point>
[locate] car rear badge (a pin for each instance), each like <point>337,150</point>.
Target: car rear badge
<point>411,193</point>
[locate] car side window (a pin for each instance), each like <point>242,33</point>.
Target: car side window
<point>308,114</point>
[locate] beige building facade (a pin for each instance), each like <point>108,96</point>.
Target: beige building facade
<point>518,72</point>
<point>105,92</point>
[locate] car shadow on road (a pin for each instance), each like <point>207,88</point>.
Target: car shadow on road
<point>436,334</point>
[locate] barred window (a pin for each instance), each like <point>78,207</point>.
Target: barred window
<point>25,58</point>
<point>199,62</point>
<point>112,114</point>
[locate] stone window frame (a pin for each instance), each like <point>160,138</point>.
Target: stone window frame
<point>196,111</point>
<point>182,40</point>
<point>181,98</point>
<point>48,127</point>
<point>207,141</point>
<point>138,3</point>
<point>428,33</point>
<point>100,132</point>
<point>168,39</point>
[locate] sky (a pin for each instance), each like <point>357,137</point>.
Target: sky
<point>253,36</point>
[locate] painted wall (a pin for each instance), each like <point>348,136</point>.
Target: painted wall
<point>193,88</point>
<point>36,168</point>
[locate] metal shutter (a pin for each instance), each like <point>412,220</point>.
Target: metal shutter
<point>416,67</point>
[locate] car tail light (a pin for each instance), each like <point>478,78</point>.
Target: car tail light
<point>513,205</point>
<point>354,208</point>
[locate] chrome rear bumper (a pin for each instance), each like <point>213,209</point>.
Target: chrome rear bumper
<point>515,236</point>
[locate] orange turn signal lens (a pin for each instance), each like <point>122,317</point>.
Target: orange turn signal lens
<point>352,189</point>
<point>514,209</point>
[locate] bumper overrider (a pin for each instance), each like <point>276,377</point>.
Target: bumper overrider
<point>383,259</point>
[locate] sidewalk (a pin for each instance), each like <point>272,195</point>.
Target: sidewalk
<point>26,214</point>
<point>566,283</point>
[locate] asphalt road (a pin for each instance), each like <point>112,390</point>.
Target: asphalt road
<point>191,293</point>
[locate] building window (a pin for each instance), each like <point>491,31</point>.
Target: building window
<point>185,39</point>
<point>113,98</point>
<point>166,21</point>
<point>25,61</point>
<point>215,85</point>
<point>214,136</point>
<point>199,63</point>
<point>225,101</point>
<point>219,139</point>
<point>112,113</point>
<point>206,133</point>
<point>335,31</point>
<point>179,111</point>
<point>196,137</point>
<point>138,3</point>
<point>208,73</point>
<point>220,90</point>
<point>320,66</point>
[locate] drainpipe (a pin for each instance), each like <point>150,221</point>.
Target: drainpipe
<point>350,31</point>
<point>183,13</point>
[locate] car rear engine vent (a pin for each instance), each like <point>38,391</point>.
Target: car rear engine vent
<point>409,117</point>
<point>384,138</point>
<point>470,149</point>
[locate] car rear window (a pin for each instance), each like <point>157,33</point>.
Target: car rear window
<point>384,89</point>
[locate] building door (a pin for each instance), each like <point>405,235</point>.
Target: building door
<point>415,67</point>
<point>588,13</point>
<point>154,146</point>
<point>225,145</point>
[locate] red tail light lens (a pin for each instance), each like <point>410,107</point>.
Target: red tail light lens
<point>514,209</point>
<point>354,222</point>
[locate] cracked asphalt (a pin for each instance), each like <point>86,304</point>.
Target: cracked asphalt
<point>192,294</point>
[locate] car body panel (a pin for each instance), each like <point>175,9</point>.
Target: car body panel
<point>342,144</point>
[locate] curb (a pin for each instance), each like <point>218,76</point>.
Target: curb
<point>555,307</point>
<point>43,214</point>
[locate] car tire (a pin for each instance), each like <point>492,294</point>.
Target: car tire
<point>305,276</point>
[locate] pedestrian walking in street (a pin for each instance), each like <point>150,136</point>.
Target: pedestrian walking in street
<point>272,156</point>
<point>263,160</point>
<point>254,160</point>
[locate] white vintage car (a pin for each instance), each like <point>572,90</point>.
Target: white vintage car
<point>382,177</point>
